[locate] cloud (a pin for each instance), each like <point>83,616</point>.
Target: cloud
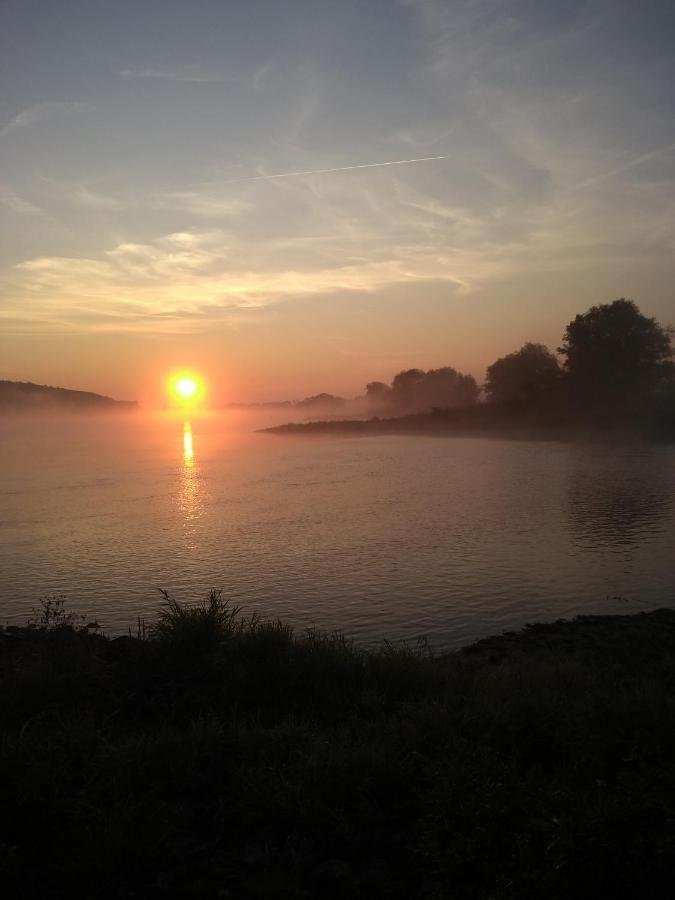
<point>201,204</point>
<point>41,111</point>
<point>188,280</point>
<point>318,237</point>
<point>193,74</point>
<point>262,75</point>
<point>633,163</point>
<point>92,200</point>
<point>496,204</point>
<point>18,204</point>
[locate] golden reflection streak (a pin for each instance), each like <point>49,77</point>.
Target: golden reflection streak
<point>188,449</point>
<point>190,495</point>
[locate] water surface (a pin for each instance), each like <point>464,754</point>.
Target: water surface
<point>381,537</point>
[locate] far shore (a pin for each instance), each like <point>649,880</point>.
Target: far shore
<point>484,421</point>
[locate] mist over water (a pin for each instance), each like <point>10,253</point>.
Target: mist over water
<point>388,537</point>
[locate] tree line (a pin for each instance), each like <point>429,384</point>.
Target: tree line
<point>613,359</point>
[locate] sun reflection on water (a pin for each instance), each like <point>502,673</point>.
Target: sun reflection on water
<point>190,496</point>
<point>188,449</point>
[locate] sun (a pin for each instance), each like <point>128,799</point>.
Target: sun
<point>186,388</point>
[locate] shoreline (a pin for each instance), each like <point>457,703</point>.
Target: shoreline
<point>479,422</point>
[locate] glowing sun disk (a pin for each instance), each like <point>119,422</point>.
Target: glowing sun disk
<point>186,388</point>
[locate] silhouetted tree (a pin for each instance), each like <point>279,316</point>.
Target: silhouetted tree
<point>416,390</point>
<point>527,377</point>
<point>448,387</point>
<point>378,394</point>
<point>324,401</point>
<point>405,387</point>
<point>615,357</point>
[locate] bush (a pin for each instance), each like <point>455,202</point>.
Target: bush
<point>192,634</point>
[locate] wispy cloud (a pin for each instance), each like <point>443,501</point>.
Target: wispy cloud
<point>538,125</point>
<point>328,238</point>
<point>83,196</point>
<point>262,75</point>
<point>208,203</point>
<point>41,111</point>
<point>18,204</point>
<point>626,166</point>
<point>200,203</point>
<point>189,280</point>
<point>194,74</point>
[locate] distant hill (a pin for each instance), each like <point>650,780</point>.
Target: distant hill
<point>269,404</point>
<point>24,396</point>
<point>322,401</point>
<point>326,402</point>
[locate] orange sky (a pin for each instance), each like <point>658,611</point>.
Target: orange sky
<point>298,199</point>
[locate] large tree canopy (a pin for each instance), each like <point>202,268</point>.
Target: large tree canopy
<point>615,356</point>
<point>526,377</point>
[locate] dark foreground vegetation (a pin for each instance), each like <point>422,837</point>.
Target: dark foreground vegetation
<point>222,756</point>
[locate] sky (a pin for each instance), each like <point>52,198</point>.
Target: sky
<point>294,197</point>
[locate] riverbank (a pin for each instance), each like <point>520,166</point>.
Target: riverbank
<point>486,420</point>
<point>214,755</point>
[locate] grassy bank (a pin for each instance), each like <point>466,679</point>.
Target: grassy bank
<point>220,756</point>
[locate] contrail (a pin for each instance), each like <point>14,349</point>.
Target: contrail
<point>375,165</point>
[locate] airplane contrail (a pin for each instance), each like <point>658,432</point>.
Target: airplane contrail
<point>375,165</point>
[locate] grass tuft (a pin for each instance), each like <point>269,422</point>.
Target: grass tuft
<point>193,633</point>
